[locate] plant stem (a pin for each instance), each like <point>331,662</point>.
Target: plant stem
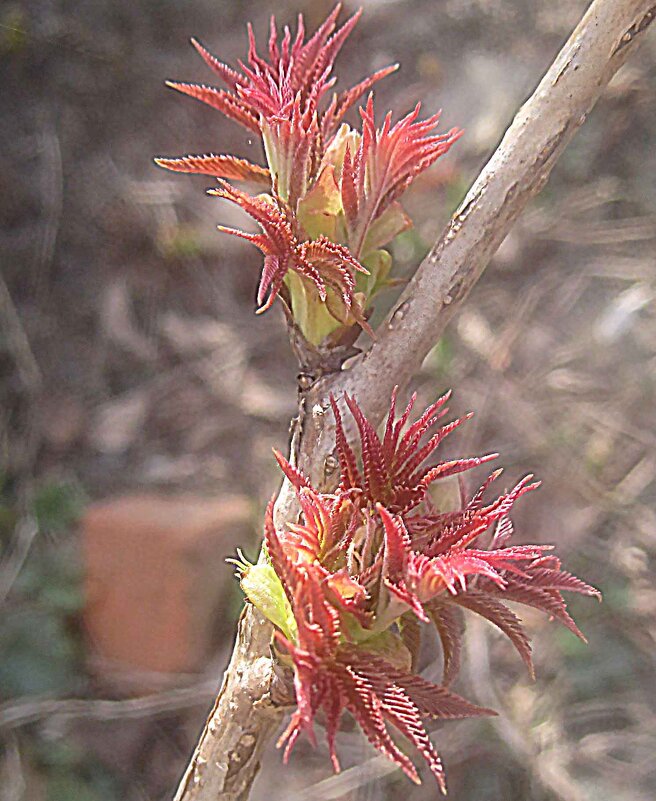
<point>248,712</point>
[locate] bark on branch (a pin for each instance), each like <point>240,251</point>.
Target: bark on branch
<point>251,701</point>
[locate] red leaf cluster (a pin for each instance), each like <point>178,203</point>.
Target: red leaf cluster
<point>334,205</point>
<point>324,263</point>
<point>279,99</point>
<point>364,564</point>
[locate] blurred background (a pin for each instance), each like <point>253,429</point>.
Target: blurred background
<point>140,398</point>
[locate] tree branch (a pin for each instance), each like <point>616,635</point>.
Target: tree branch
<point>250,705</point>
<point>517,171</point>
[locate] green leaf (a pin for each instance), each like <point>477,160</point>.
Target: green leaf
<point>379,264</point>
<point>386,644</point>
<point>335,153</point>
<point>318,210</point>
<point>390,224</point>
<point>445,494</point>
<point>392,648</point>
<point>311,314</point>
<point>51,578</point>
<point>262,587</point>
<point>324,196</point>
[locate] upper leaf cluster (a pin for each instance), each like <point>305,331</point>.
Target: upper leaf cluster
<point>329,201</point>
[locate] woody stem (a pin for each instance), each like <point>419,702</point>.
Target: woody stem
<point>248,710</point>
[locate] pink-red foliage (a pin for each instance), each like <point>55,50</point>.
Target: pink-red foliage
<point>367,561</point>
<point>335,203</point>
<point>324,263</point>
<point>385,164</point>
<point>348,583</point>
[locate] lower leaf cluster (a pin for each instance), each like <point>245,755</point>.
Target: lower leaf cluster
<point>349,584</point>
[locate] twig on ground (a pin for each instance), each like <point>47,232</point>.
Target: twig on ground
<point>547,766</point>
<point>20,713</point>
<point>12,780</point>
<point>17,343</point>
<point>24,534</point>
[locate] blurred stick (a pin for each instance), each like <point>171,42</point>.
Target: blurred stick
<point>12,564</point>
<point>246,713</point>
<point>15,340</point>
<point>12,780</point>
<point>548,765</point>
<point>15,714</point>
<point>17,343</point>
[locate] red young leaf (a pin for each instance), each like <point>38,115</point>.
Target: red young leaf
<point>384,164</point>
<point>296,478</point>
<point>507,621</point>
<point>218,166</point>
<point>324,264</point>
<point>222,101</point>
<point>392,468</point>
<point>280,98</point>
<point>359,572</point>
<point>449,626</point>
